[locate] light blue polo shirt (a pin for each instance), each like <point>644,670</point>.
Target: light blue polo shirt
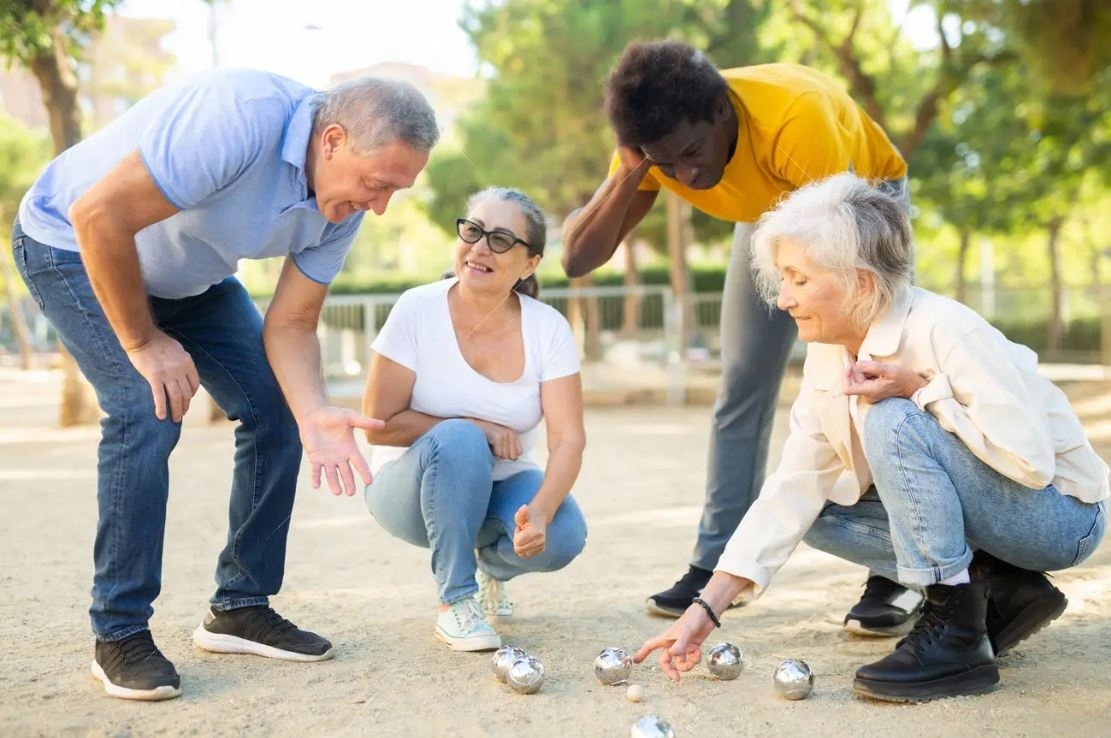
<point>228,149</point>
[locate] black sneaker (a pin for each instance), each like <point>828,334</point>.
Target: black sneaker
<point>134,669</point>
<point>886,608</point>
<point>674,602</point>
<point>260,631</point>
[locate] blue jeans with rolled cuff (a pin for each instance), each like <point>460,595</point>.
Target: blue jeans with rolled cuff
<point>934,503</point>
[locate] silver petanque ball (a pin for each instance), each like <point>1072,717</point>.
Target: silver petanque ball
<point>525,675</point>
<point>725,661</point>
<point>613,666</point>
<point>504,658</point>
<point>652,726</point>
<point>794,680</point>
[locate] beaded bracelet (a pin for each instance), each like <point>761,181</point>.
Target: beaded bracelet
<point>709,610</point>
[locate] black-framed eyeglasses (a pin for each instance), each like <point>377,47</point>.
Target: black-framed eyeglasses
<point>498,241</point>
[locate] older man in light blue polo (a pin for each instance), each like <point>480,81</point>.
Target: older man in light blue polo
<point>129,242</point>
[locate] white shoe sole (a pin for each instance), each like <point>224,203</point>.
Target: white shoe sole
<point>165,692</point>
<point>474,643</point>
<point>222,643</point>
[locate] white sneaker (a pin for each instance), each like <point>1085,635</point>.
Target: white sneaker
<point>463,628</point>
<point>492,596</point>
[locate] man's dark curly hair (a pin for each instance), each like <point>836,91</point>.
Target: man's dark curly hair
<point>656,85</point>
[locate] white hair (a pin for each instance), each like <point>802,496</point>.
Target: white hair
<point>376,111</point>
<point>846,226</point>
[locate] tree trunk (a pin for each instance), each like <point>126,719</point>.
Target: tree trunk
<point>592,346</point>
<point>1056,323</point>
<point>1103,295</point>
<point>58,85</point>
<point>630,315</point>
<point>677,215</point>
<point>19,322</point>
<point>583,315</point>
<point>962,258</point>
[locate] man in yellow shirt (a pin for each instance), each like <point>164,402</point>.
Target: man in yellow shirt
<point>731,143</point>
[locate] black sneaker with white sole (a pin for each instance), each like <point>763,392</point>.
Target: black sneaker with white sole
<point>886,608</point>
<point>134,669</point>
<point>260,631</point>
<point>674,601</point>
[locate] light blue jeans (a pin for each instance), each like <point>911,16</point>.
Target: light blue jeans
<point>756,342</point>
<point>440,495</point>
<point>934,503</point>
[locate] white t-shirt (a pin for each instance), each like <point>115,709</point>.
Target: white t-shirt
<point>419,335</point>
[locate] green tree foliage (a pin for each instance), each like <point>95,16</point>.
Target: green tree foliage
<point>45,37</point>
<point>1067,43</point>
<point>22,154</point>
<point>541,126</point>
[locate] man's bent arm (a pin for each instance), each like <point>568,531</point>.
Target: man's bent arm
<point>105,220</point>
<point>591,233</point>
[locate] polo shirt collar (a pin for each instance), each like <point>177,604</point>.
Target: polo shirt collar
<point>298,131</point>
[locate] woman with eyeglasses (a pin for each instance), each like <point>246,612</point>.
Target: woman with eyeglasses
<point>463,372</point>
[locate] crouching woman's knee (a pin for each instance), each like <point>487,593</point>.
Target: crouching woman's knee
<point>884,421</point>
<point>459,445</point>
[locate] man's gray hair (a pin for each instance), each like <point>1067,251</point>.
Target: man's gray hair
<point>845,224</point>
<point>376,111</point>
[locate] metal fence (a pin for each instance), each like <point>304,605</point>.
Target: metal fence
<point>643,324</point>
<point>654,335</point>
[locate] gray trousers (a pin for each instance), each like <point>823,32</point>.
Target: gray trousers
<point>756,341</point>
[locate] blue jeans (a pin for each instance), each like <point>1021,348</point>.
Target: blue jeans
<point>440,495</point>
<point>222,331</point>
<point>756,342</point>
<point>934,502</point>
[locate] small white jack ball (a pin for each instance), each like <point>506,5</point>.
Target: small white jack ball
<point>635,693</point>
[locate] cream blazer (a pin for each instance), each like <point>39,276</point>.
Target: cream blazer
<point>982,387</point>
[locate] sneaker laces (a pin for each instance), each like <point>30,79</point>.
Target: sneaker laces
<point>138,650</point>
<point>879,587</point>
<point>492,594</point>
<point>467,613</point>
<point>265,620</point>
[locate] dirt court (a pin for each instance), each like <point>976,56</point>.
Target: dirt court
<point>641,490</point>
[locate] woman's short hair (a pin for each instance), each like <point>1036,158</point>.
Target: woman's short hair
<point>655,86</point>
<point>845,224</point>
<point>536,228</point>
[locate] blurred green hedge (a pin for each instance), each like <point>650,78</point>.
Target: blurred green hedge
<point>1082,336</point>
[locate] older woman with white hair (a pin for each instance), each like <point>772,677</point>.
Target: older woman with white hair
<point>923,444</point>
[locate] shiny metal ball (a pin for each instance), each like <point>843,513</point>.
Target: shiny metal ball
<point>725,661</point>
<point>503,659</point>
<point>525,675</point>
<point>652,726</point>
<point>794,680</point>
<point>613,666</point>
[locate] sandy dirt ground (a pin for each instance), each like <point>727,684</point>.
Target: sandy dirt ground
<point>641,489</point>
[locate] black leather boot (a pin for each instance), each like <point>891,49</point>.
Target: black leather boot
<point>947,654</point>
<point>1022,602</point>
